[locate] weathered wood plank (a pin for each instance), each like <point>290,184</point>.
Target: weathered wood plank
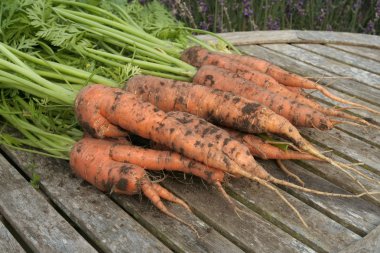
<point>341,56</point>
<point>256,37</point>
<point>42,228</point>
<point>340,86</point>
<point>295,36</point>
<point>370,53</point>
<point>349,147</point>
<point>323,234</point>
<point>341,179</point>
<point>105,223</point>
<point>356,214</point>
<point>179,236</point>
<point>251,232</point>
<point>343,38</point>
<point>369,244</point>
<point>7,242</point>
<point>327,64</point>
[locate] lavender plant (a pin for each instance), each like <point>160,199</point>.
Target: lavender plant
<point>239,15</point>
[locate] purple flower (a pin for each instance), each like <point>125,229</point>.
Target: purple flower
<point>321,16</point>
<point>247,10</point>
<point>377,10</point>
<point>370,29</point>
<point>273,24</point>
<point>299,6</point>
<point>357,5</point>
<point>202,5</point>
<point>203,25</point>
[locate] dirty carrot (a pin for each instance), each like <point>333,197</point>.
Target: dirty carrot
<point>242,114</point>
<point>198,57</point>
<point>217,106</point>
<point>298,114</point>
<point>124,110</point>
<point>90,159</point>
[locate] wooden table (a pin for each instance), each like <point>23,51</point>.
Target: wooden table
<point>67,215</point>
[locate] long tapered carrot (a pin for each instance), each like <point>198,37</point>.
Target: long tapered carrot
<point>210,105</point>
<point>222,108</point>
<point>151,159</point>
<point>268,82</point>
<point>124,110</point>
<point>198,57</point>
<point>220,137</point>
<point>298,114</point>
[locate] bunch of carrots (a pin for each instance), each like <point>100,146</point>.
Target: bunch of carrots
<point>202,110</point>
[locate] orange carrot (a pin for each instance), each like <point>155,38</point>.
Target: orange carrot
<point>298,114</point>
<point>205,102</point>
<point>118,108</point>
<point>90,159</point>
<point>198,57</point>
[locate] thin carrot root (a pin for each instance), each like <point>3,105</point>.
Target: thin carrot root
<point>154,193</point>
<point>362,121</point>
<point>294,209</point>
<point>164,193</point>
<point>282,166</point>
<point>344,101</point>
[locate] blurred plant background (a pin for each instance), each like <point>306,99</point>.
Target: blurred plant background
<point>247,15</point>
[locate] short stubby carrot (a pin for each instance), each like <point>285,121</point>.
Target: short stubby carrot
<point>125,110</point>
<point>298,114</point>
<point>91,159</point>
<point>198,57</point>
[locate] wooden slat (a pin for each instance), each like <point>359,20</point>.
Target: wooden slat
<point>295,36</point>
<point>179,236</point>
<point>8,243</point>
<point>369,244</point>
<point>251,232</point>
<point>327,64</point>
<point>341,56</point>
<point>348,146</point>
<point>257,37</point>
<point>41,227</point>
<point>370,53</point>
<point>343,38</point>
<point>355,213</point>
<point>341,179</point>
<point>323,234</point>
<point>105,223</point>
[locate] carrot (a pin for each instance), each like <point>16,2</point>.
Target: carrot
<point>271,84</point>
<point>220,137</point>
<point>151,159</point>
<point>125,110</point>
<point>90,159</point>
<point>242,114</point>
<point>259,148</point>
<point>198,57</point>
<point>298,114</point>
<point>119,109</point>
<point>208,103</point>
